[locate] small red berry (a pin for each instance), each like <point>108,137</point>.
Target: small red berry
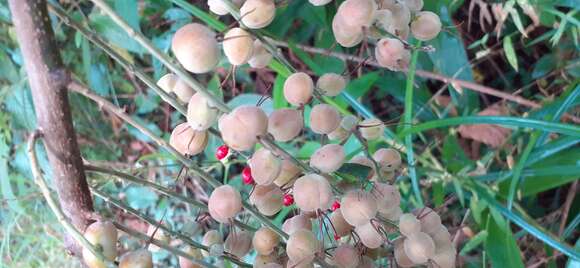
<point>335,205</point>
<point>336,237</point>
<point>247,176</point>
<point>288,200</point>
<point>222,152</point>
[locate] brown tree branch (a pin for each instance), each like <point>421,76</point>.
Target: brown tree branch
<point>48,80</point>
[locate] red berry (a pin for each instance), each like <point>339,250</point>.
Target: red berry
<point>247,176</point>
<point>335,205</point>
<point>222,152</point>
<point>336,237</point>
<point>288,200</point>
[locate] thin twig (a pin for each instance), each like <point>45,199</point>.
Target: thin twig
<point>566,207</point>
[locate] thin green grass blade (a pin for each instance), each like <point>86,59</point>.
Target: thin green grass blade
<point>567,103</point>
<point>516,178</point>
<point>202,15</point>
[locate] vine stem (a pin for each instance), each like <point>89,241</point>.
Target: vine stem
<point>69,227</point>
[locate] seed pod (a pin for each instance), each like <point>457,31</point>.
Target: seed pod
<point>224,203</point>
<point>371,129</point>
<point>312,192</point>
<point>261,57</point>
<point>445,259</point>
<point>419,247</point>
<point>103,235</point>
<point>341,227</point>
<point>408,224</point>
<point>357,13</point>
<point>384,19</point>
<point>210,238</point>
<point>392,214</point>
<point>288,172</point>
<point>265,240</point>
<point>386,4</point>
<point>299,264</point>
<point>346,256</point>
<point>187,263</point>
<point>388,159</point>
<point>195,47</point>
<point>238,46</point>
<point>267,198</point>
<point>324,119</point>
<point>331,84</point>
<point>319,2</point>
<point>426,26</point>
<point>401,14</point>
<point>442,239</point>
<point>261,261</point>
<point>242,126</point>
<point>358,207</point>
<point>188,141</point>
<point>285,124</point>
<point>158,234</point>
<point>200,113</point>
<point>298,89</point>
<point>297,222</point>
<point>414,5</point>
<point>140,258</point>
<point>265,166</point>
<point>302,245</point>
<point>167,82</point>
<point>430,220</point>
<point>369,236</point>
<point>219,8</point>
<point>339,134</point>
<point>328,158</point>
<point>346,36</point>
<point>391,53</point>
<point>238,243</point>
<point>400,256</point>
<point>257,14</point>
<point>387,197</point>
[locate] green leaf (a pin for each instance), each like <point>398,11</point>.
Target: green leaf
<point>252,100</point>
<point>502,247</point>
<point>141,197</point>
<point>278,93</point>
<point>106,27</point>
<point>308,149</point>
<point>474,242</point>
<point>357,170</point>
<point>128,10</point>
<point>510,52</point>
<point>202,15</point>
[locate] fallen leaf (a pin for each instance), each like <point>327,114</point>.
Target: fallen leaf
<point>492,135</point>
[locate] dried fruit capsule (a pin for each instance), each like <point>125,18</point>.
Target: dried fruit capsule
<point>409,224</point>
<point>188,141</point>
<point>371,129</point>
<point>265,166</point>
<point>339,134</point>
<point>346,256</point>
<point>357,13</point>
<point>288,172</point>
<point>240,128</point>
<point>195,47</point>
<point>140,258</point>
<point>346,36</point>
<point>102,235</point>
<point>384,19</point>
<point>426,26</point>
<point>257,14</point>
<point>319,2</point>
<point>285,124</point>
<point>387,196</point>
<point>261,261</point>
<point>442,239</point>
<point>414,5</point>
<point>430,220</point>
<point>445,259</point>
<point>401,14</point>
<point>392,214</point>
<point>210,238</point>
<point>187,263</point>
<point>201,115</point>
<point>341,227</point>
<point>224,203</point>
<point>261,57</point>
<point>388,159</point>
<point>312,192</point>
<point>219,8</point>
<point>265,241</point>
<point>419,247</point>
<point>358,207</point>
<point>267,198</point>
<point>328,158</point>
<point>369,235</point>
<point>391,53</point>
<point>298,89</point>
<point>297,222</point>
<point>167,82</point>
<point>400,256</point>
<point>238,243</point>
<point>238,46</point>
<point>331,84</point>
<point>302,245</point>
<point>324,119</point>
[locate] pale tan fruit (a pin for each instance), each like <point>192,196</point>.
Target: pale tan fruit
<point>159,235</point>
<point>257,14</point>
<point>341,227</point>
<point>262,260</point>
<point>388,159</point>
<point>183,91</point>
<point>386,4</point>
<point>419,247</point>
<point>299,264</point>
<point>188,141</point>
<point>328,158</point>
<point>401,14</point>
<point>103,236</point>
<point>409,224</point>
<point>445,259</point>
<point>357,13</point>
<point>387,196</point>
<point>238,243</point>
<point>430,220</point>
<point>369,235</point>
<point>331,84</point>
<point>298,89</point>
<point>400,256</point>
<point>391,53</point>
<point>224,203</point>
<point>167,82</point>
<point>393,214</point>
<point>187,263</point>
<point>289,171</point>
<point>348,122</point>
<point>238,46</point>
<point>339,134</point>
<point>265,166</point>
<point>442,239</point>
<point>261,57</point>
<point>240,128</point>
<point>371,129</point>
<point>414,5</point>
<point>219,8</point>
<point>285,124</point>
<point>402,31</point>
<point>302,246</point>
<point>426,26</point>
<point>319,2</point>
<point>140,258</point>
<point>201,115</point>
<point>265,241</point>
<point>196,48</point>
<point>346,36</point>
<point>346,256</point>
<point>324,119</point>
<point>297,222</point>
<point>210,238</point>
<point>312,192</point>
<point>358,207</point>
<point>384,19</point>
<point>267,199</point>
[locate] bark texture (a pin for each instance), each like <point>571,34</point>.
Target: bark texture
<point>48,80</point>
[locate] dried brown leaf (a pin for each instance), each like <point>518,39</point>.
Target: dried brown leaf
<point>492,135</point>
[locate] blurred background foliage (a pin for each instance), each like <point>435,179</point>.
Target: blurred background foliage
<point>527,48</point>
